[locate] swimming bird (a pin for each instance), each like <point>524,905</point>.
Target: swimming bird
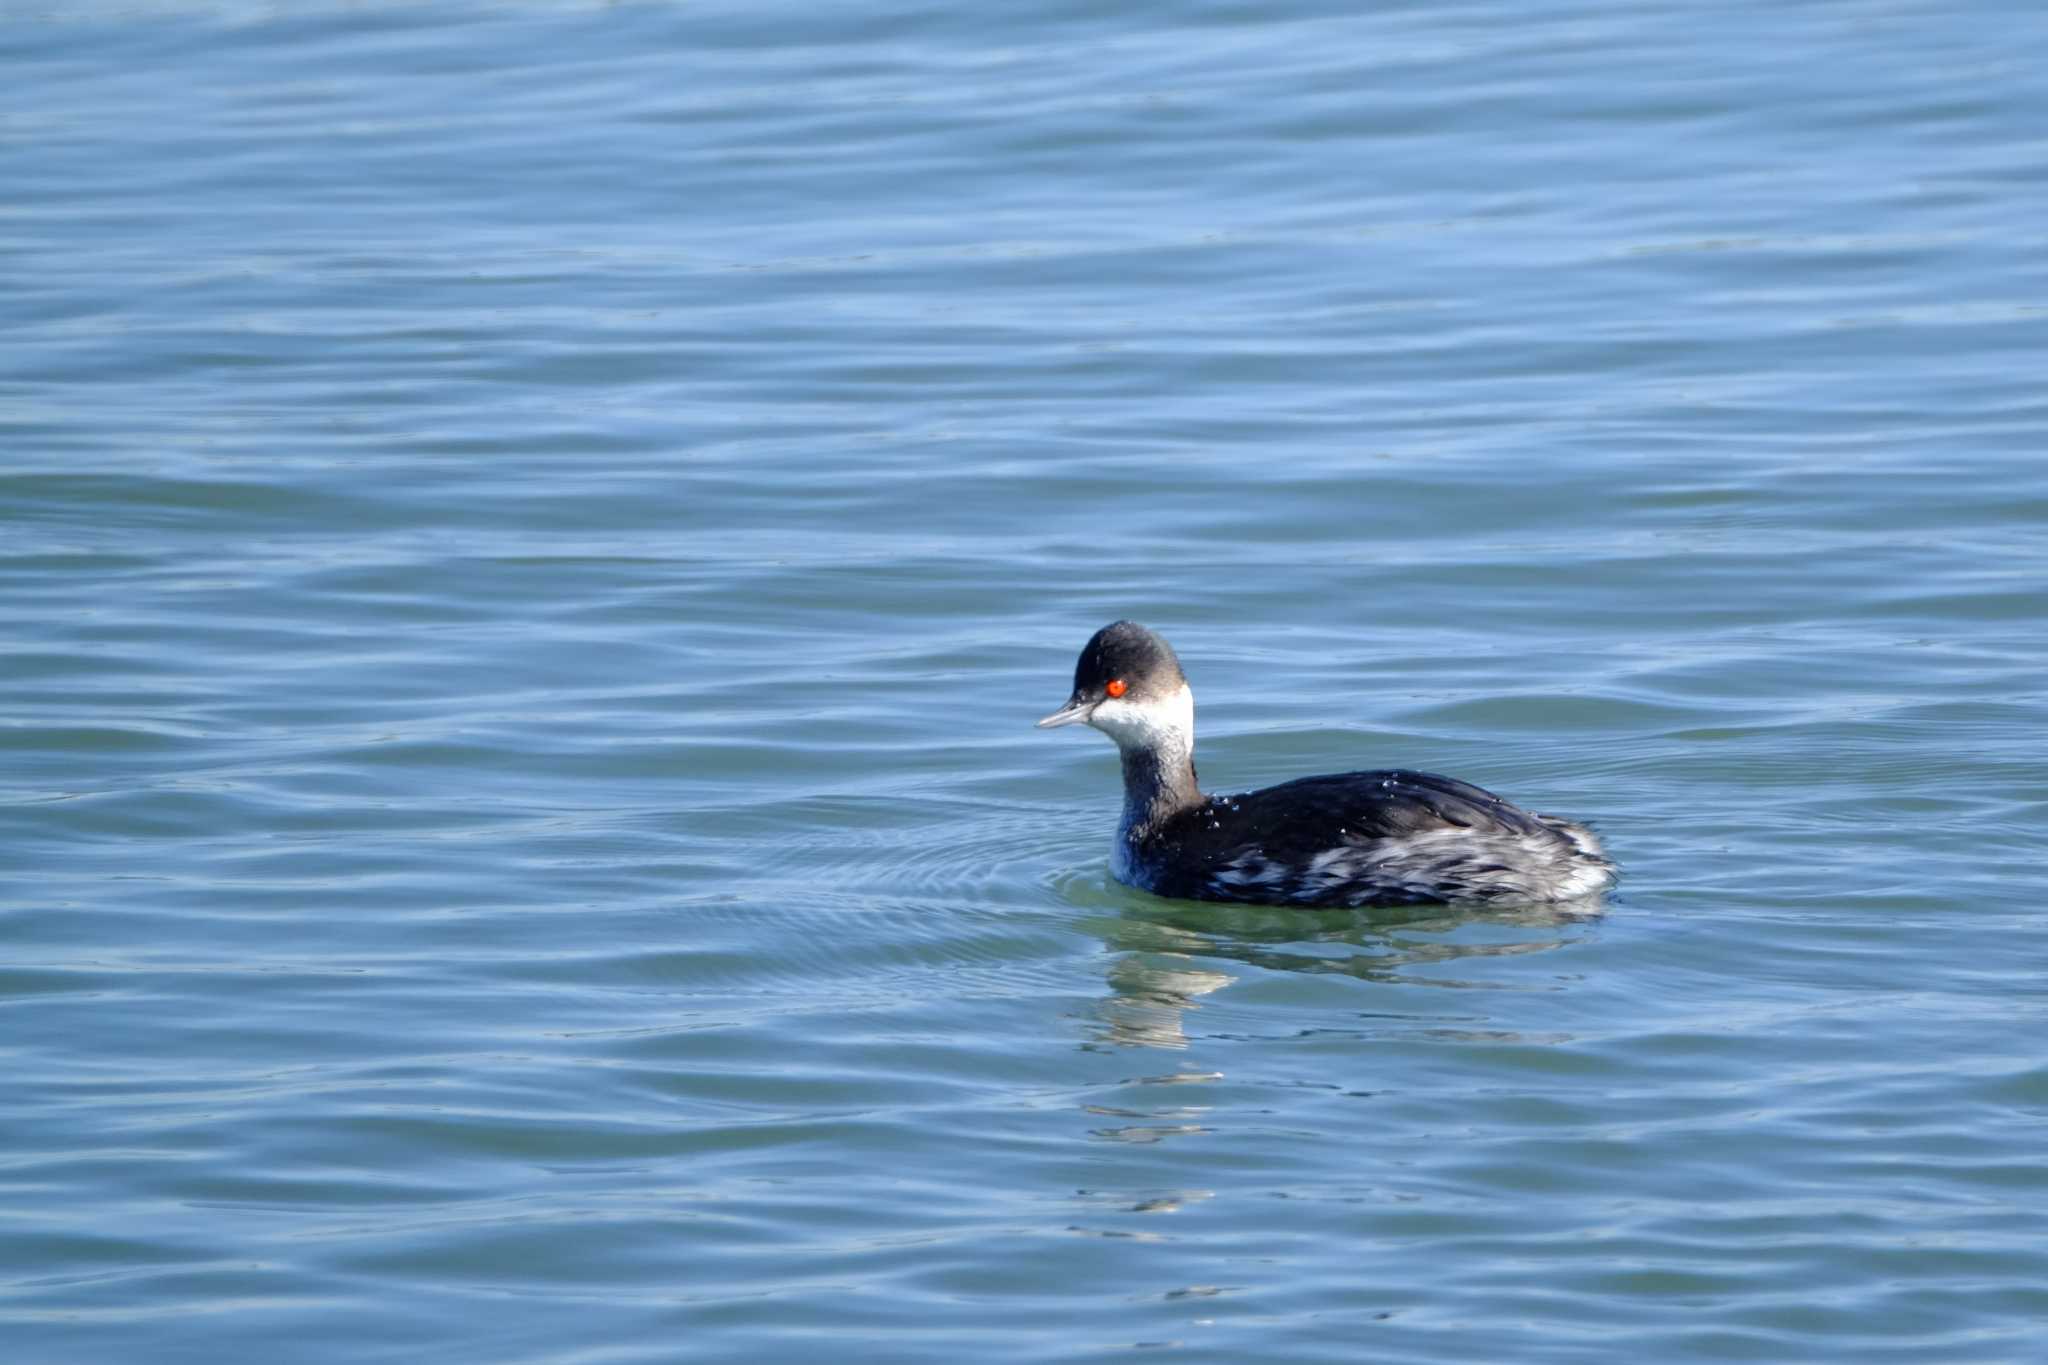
<point>1387,837</point>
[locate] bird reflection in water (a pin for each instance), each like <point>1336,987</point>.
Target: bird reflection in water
<point>1168,958</point>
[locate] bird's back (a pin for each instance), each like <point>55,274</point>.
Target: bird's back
<point>1389,837</point>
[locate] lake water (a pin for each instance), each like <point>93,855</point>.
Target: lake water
<point>534,535</point>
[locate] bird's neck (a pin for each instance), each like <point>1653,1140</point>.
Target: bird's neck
<point>1159,781</point>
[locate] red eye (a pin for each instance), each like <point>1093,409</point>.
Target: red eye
<point>1117,687</point>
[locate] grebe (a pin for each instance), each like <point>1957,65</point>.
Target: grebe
<point>1391,837</point>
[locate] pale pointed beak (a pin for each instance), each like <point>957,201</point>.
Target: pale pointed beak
<point>1073,713</point>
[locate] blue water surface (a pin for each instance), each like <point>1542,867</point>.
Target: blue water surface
<point>532,536</point>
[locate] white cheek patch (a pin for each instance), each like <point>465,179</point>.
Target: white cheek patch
<point>1168,721</point>
<point>1114,717</point>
